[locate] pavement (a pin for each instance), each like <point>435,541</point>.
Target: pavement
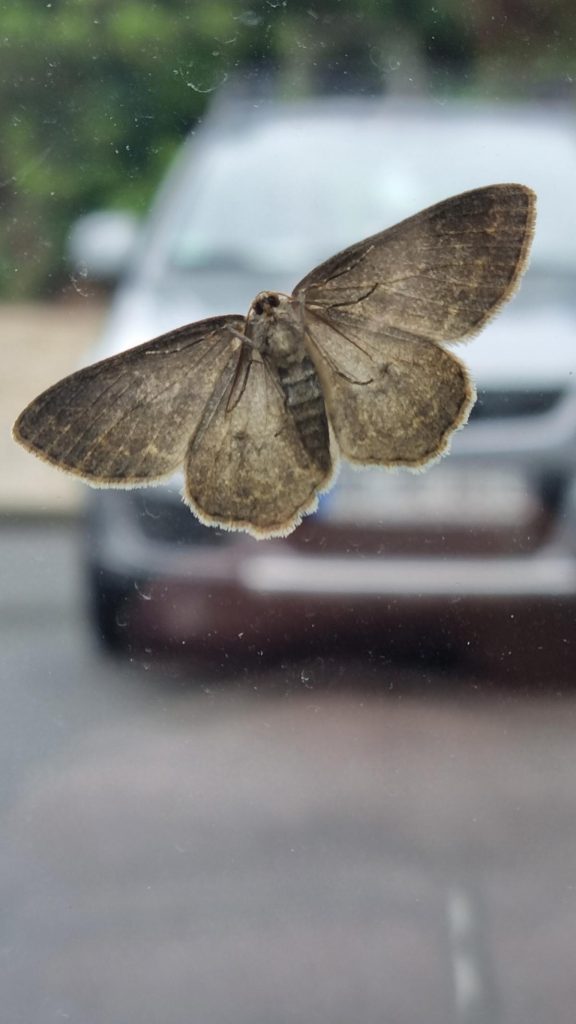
<point>39,343</point>
<point>310,843</point>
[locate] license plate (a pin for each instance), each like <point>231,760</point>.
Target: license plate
<point>450,496</point>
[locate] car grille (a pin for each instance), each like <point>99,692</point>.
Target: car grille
<point>496,404</point>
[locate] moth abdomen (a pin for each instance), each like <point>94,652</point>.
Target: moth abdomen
<point>305,401</point>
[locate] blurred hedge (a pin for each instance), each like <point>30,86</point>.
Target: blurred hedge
<point>96,94</point>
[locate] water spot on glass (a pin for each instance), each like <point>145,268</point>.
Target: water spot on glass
<point>207,86</point>
<point>382,60</point>
<point>143,592</point>
<point>147,511</point>
<point>78,281</point>
<point>250,18</point>
<point>375,56</point>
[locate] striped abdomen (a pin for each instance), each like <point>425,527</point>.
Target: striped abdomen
<point>304,400</point>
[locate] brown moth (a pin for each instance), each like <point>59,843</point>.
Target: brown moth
<point>257,409</point>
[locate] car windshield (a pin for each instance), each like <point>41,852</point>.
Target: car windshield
<point>284,196</point>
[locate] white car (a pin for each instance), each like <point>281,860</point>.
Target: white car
<point>257,197</point>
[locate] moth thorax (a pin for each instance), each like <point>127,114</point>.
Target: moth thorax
<point>275,328</point>
<point>284,343</point>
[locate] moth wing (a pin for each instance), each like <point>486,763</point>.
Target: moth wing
<point>376,313</point>
<point>127,420</point>
<point>390,401</point>
<point>438,275</point>
<point>246,467</point>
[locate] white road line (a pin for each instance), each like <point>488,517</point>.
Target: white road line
<point>474,994</point>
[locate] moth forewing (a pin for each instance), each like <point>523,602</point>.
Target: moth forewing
<point>509,237</point>
<point>441,274</point>
<point>125,421</point>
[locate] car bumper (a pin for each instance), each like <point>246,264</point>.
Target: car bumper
<point>235,622</point>
<point>275,568</point>
<point>545,574</point>
<point>275,594</point>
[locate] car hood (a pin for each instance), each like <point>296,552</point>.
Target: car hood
<point>141,311</point>
<point>525,346</point>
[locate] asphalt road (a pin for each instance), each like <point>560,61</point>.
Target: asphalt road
<point>318,843</point>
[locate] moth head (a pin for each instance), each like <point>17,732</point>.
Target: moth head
<point>266,305</point>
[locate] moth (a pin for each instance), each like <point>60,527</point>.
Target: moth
<point>258,409</point>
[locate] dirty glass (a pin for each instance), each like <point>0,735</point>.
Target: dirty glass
<point>284,198</point>
<point>328,777</point>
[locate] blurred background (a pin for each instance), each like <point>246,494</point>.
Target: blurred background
<point>330,777</point>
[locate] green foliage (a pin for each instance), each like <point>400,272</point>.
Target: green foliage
<point>97,94</point>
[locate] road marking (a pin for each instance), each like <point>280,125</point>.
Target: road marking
<point>474,989</point>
